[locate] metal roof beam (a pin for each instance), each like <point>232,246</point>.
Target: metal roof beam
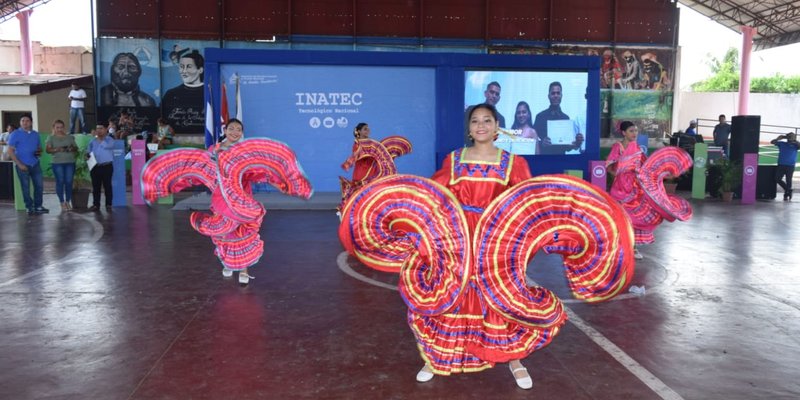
<point>10,8</point>
<point>747,14</point>
<point>775,41</point>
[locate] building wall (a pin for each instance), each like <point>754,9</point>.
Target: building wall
<point>18,103</point>
<point>776,111</point>
<point>72,60</point>
<point>69,60</point>
<point>51,105</point>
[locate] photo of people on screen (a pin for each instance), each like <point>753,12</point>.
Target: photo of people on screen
<point>491,96</point>
<point>182,106</point>
<point>557,132</point>
<point>521,138</point>
<point>559,128</point>
<point>124,90</point>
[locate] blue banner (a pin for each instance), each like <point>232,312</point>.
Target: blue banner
<point>314,109</point>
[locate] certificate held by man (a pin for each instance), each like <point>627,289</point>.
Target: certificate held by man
<point>561,132</point>
<point>91,161</point>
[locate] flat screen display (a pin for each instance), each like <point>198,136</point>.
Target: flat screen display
<point>540,112</point>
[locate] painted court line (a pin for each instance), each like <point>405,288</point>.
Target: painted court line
<point>636,369</point>
<point>655,384</point>
<point>341,261</point>
<point>98,233</point>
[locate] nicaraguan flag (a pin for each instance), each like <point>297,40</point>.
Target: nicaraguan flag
<point>211,138</point>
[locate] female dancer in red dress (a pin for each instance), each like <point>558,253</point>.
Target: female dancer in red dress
<point>638,184</point>
<point>624,162</point>
<point>365,166</point>
<point>370,159</point>
<point>229,169</point>
<point>476,175</point>
<point>462,241</point>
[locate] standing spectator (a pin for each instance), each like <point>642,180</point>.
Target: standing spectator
<point>722,132</point>
<point>102,147</point>
<point>4,142</point>
<point>692,129</point>
<point>787,158</point>
<point>63,149</point>
<point>77,97</point>
<point>24,149</point>
<point>112,128</point>
<point>164,134</point>
<point>124,126</point>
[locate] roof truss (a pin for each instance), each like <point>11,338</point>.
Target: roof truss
<point>777,21</point>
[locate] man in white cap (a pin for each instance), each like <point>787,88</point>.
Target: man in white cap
<point>692,129</point>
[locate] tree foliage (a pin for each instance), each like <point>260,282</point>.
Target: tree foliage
<point>726,78</point>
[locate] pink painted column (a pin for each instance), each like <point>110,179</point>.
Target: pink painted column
<point>744,77</point>
<point>25,50</point>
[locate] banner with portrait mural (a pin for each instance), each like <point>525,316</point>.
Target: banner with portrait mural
<point>314,109</point>
<point>182,83</point>
<point>129,81</point>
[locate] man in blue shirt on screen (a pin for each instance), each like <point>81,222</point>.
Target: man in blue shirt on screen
<point>787,158</point>
<point>24,149</point>
<point>554,113</point>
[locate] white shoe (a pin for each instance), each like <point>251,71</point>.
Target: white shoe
<point>424,375</point>
<point>244,278</point>
<point>525,382</point>
<point>636,254</point>
<point>226,272</point>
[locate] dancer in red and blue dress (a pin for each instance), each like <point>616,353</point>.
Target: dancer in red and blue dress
<point>477,175</point>
<point>462,242</point>
<point>370,160</point>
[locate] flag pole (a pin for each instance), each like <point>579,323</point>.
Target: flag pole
<point>211,133</point>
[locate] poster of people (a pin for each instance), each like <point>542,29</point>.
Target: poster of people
<point>634,68</point>
<point>183,81</point>
<point>128,77</point>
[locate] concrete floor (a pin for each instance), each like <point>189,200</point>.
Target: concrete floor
<point>131,305</point>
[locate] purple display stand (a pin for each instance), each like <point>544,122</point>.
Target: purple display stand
<point>749,174</point>
<point>138,159</point>
<point>597,170</point>
<point>119,186</point>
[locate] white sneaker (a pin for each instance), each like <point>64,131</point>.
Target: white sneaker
<point>227,273</point>
<point>424,375</point>
<point>525,382</point>
<point>636,254</point>
<point>244,278</point>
